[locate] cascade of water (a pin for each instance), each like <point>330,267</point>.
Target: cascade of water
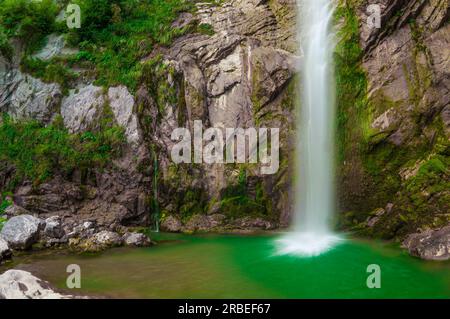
<point>315,142</point>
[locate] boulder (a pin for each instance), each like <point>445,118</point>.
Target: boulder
<point>107,239</point>
<point>430,245</point>
<point>136,239</point>
<point>22,231</point>
<point>19,284</point>
<point>171,224</point>
<point>5,252</point>
<point>53,227</point>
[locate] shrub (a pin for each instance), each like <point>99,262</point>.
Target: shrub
<point>28,20</point>
<point>39,152</point>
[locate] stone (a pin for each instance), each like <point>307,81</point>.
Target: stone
<point>136,239</point>
<point>252,223</point>
<point>122,105</point>
<point>22,231</point>
<point>25,97</point>
<point>19,284</point>
<point>15,210</point>
<point>53,47</point>
<point>107,238</point>
<point>203,223</point>
<point>5,252</point>
<point>171,224</point>
<point>53,228</point>
<point>82,109</point>
<point>430,245</point>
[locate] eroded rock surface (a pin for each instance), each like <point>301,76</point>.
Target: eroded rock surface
<point>22,231</point>
<point>430,245</point>
<point>19,284</point>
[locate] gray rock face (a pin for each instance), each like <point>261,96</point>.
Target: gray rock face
<point>5,252</point>
<point>19,284</point>
<point>82,108</point>
<point>25,97</point>
<point>122,105</point>
<point>136,239</point>
<point>430,245</point>
<point>22,231</point>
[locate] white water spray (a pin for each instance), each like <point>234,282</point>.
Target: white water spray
<point>315,201</point>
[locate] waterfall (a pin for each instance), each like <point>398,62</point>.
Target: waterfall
<point>314,188</point>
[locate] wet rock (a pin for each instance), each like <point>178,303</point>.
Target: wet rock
<point>171,224</point>
<point>136,239</point>
<point>5,252</point>
<point>19,284</point>
<point>430,245</point>
<point>22,231</point>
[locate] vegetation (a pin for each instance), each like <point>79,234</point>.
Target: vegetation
<point>413,175</point>
<point>39,152</point>
<point>28,20</point>
<point>116,35</point>
<point>4,204</point>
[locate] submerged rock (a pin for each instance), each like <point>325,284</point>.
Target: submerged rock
<point>22,231</point>
<point>5,252</point>
<point>136,239</point>
<point>19,284</point>
<point>430,245</point>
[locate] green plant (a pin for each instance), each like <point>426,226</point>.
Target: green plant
<point>39,152</point>
<point>4,204</point>
<point>28,20</point>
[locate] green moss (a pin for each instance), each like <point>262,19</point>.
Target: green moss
<point>38,152</point>
<point>53,71</point>
<point>206,29</point>
<point>27,20</point>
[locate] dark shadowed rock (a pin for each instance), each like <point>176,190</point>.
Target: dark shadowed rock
<point>53,227</point>
<point>430,245</point>
<point>5,252</point>
<point>22,231</point>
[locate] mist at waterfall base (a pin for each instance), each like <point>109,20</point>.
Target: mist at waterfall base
<point>314,187</point>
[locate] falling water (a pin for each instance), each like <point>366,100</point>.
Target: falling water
<point>315,143</point>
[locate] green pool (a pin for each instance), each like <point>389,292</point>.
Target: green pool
<point>220,266</point>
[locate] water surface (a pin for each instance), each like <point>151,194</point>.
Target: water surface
<point>220,266</point>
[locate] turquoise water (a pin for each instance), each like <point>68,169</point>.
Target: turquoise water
<point>222,266</point>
